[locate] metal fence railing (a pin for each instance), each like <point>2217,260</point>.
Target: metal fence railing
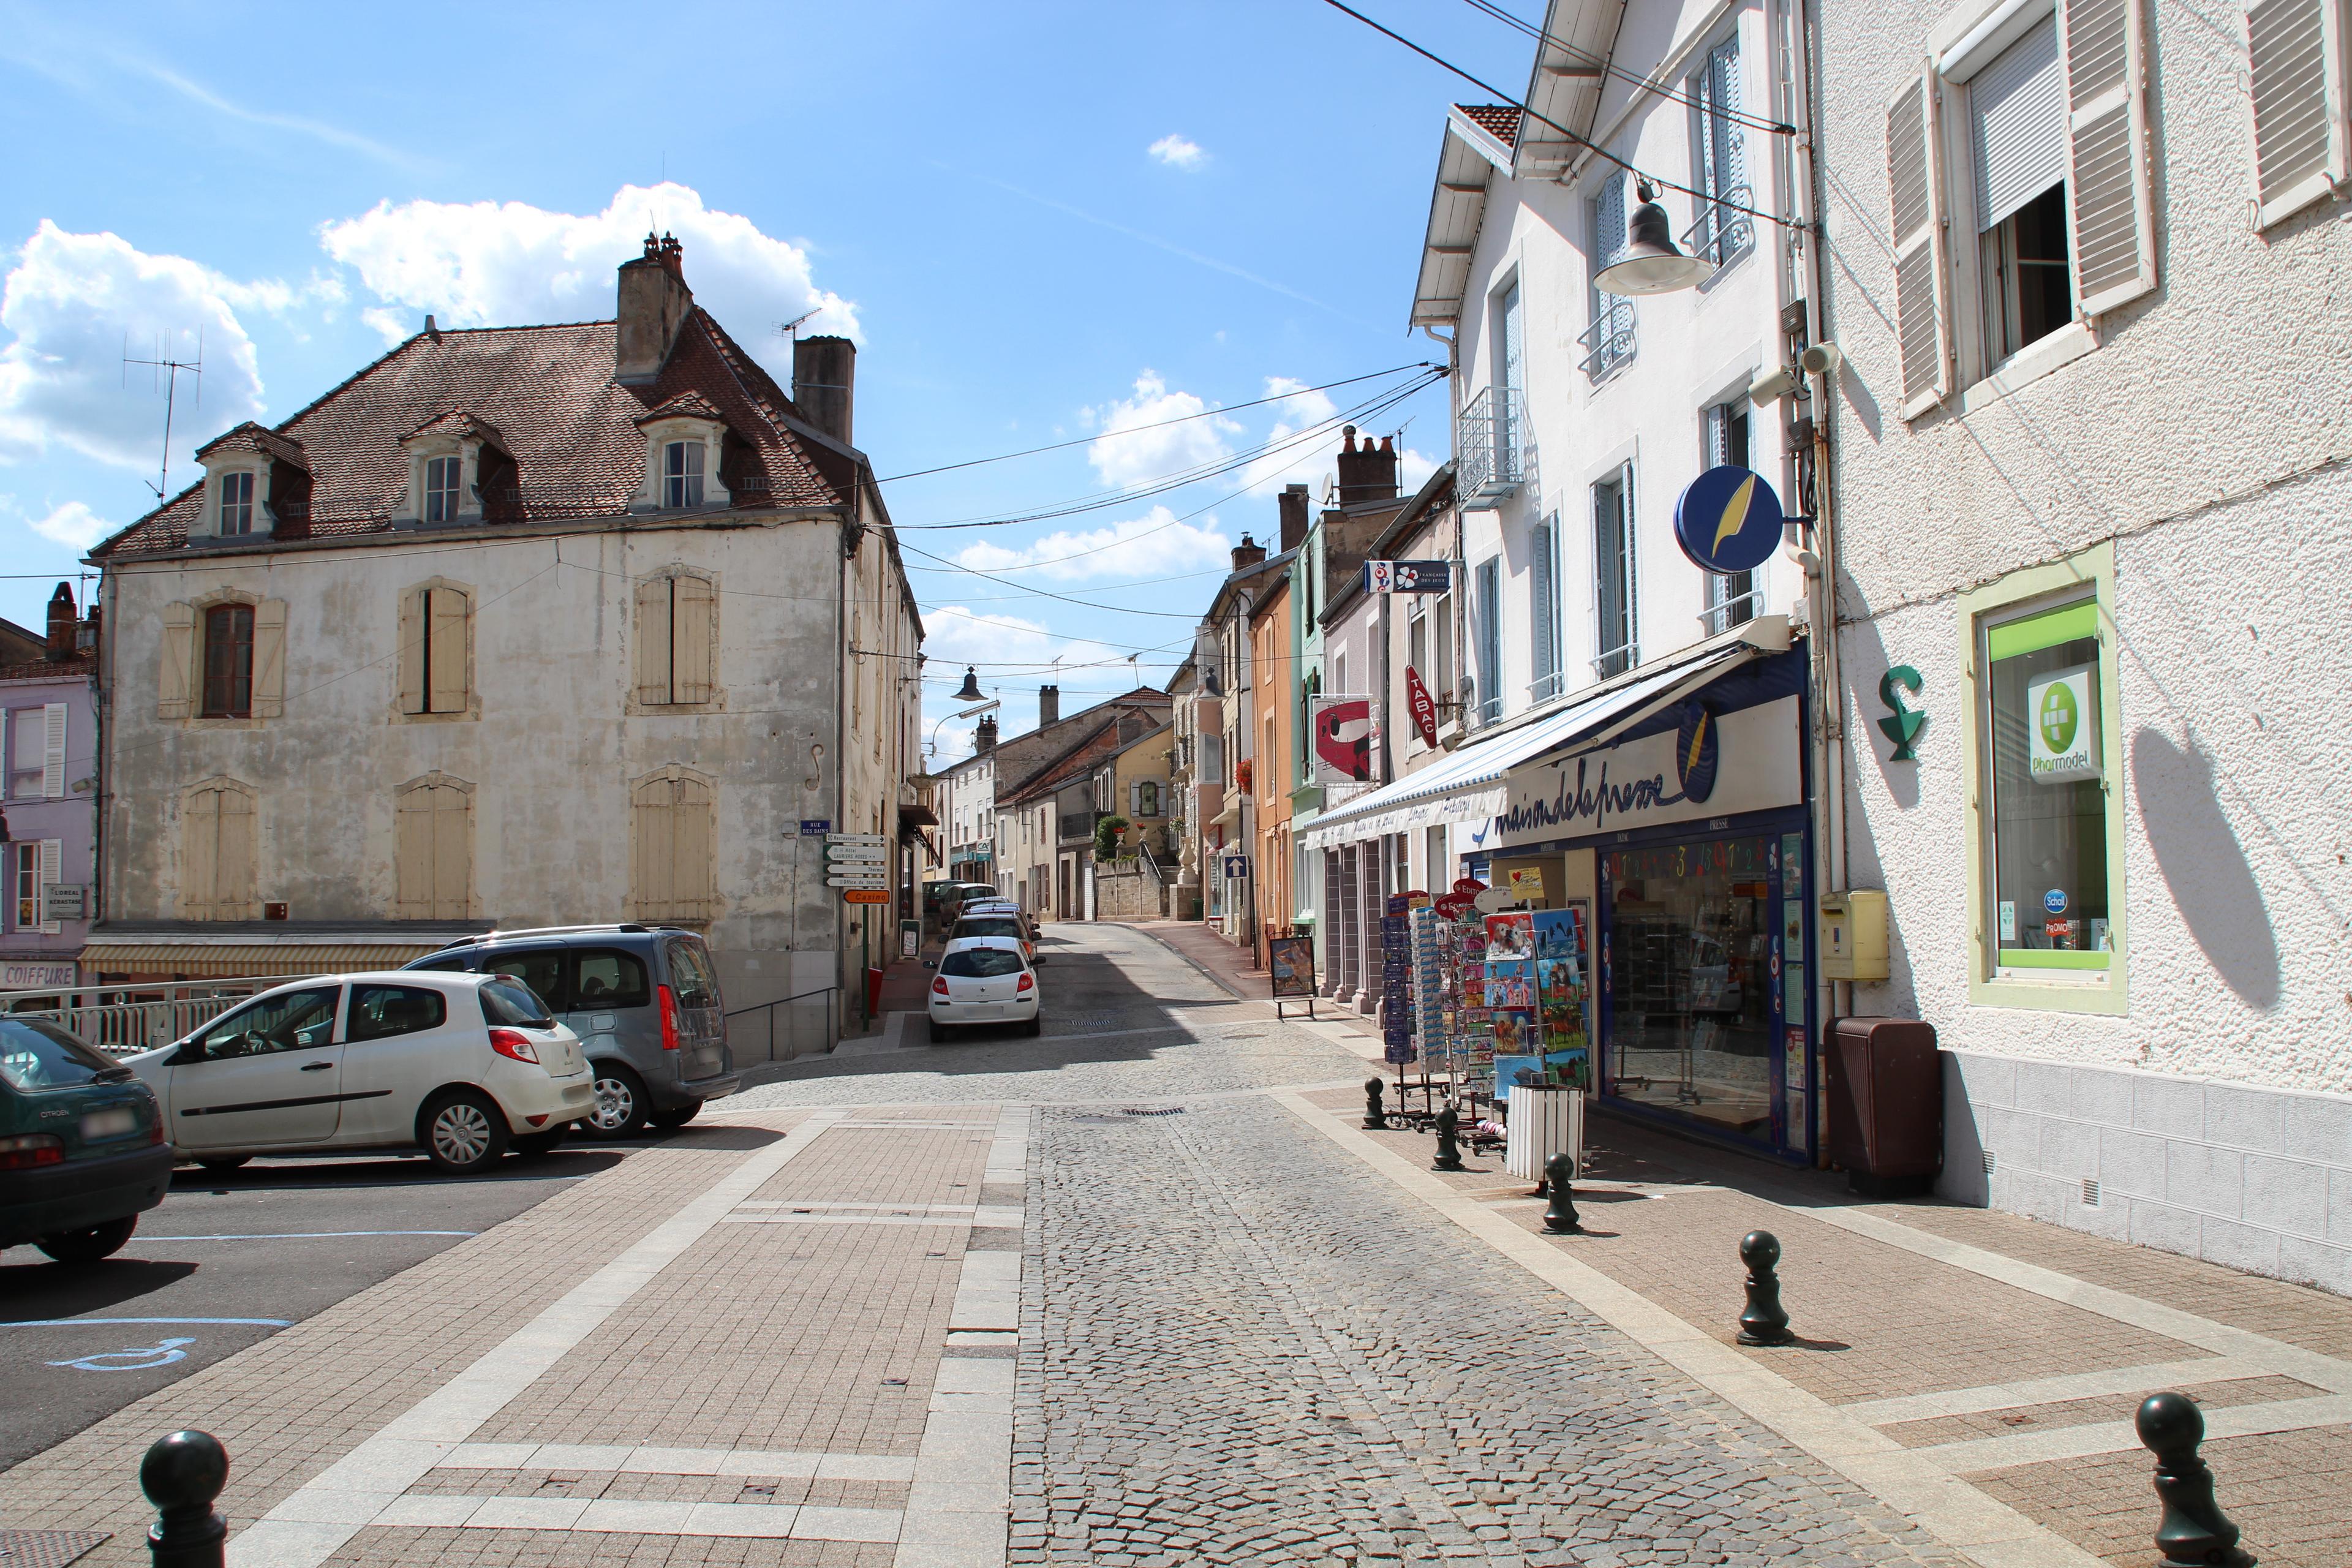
<point>1609,341</point>
<point>122,1019</point>
<point>738,1041</point>
<point>1486,441</point>
<point>1722,233</point>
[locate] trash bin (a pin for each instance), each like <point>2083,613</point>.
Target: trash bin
<point>1886,1105</point>
<point>1542,1121</point>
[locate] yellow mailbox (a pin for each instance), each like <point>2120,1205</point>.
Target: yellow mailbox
<point>1854,934</point>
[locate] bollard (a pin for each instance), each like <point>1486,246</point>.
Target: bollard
<point>1449,1150</point>
<point>1375,1117</point>
<point>2195,1533</point>
<point>1560,1215</point>
<point>181,1475</point>
<point>1763,1323</point>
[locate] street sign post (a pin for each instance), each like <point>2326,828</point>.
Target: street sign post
<point>864,895</point>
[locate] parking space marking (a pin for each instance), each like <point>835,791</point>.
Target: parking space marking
<point>77,1322</point>
<point>298,1235</point>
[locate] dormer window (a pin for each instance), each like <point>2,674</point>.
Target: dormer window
<point>682,474</point>
<point>443,477</point>
<point>236,504</point>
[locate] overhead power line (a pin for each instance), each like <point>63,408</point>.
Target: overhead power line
<point>1608,67</point>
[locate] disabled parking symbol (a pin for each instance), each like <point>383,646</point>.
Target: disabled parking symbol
<point>138,1359</point>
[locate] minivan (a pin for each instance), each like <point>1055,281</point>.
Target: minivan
<point>643,999</point>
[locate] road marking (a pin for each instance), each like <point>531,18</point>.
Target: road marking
<point>162,1354</point>
<point>1977,1455</point>
<point>77,1322</point>
<point>300,1234</point>
<point>2030,1392</point>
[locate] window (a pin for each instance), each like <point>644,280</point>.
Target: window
<point>1616,639</point>
<point>1488,607</point>
<point>228,662</point>
<point>1266,755</point>
<point>235,505</point>
<point>1543,610</point>
<point>441,488</point>
<point>2017,136</point>
<point>35,1054</point>
<point>37,752</point>
<point>682,474</point>
<point>291,1021</point>
<point>540,969</point>
<point>380,1012</point>
<point>1608,343</point>
<point>678,626</point>
<point>1721,235</point>
<point>436,650</point>
<point>33,865</point>
<point>1147,791</point>
<point>1430,648</point>
<point>2048,843</point>
<point>1435,880</point>
<point>2301,103</point>
<point>982,963</point>
<point>515,1004</point>
<point>433,849</point>
<point>610,979</point>
<point>1731,598</point>
<point>216,871</point>
<point>670,831</point>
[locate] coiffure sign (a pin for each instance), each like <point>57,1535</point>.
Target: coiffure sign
<point>1710,764</point>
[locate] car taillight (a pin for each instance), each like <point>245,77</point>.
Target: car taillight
<point>32,1149</point>
<point>670,1019</point>
<point>514,1043</point>
<point>1028,982</point>
<point>155,1130</point>
<point>939,986</point>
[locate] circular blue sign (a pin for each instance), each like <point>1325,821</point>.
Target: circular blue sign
<point>1728,520</point>
<point>1696,752</point>
<point>2055,900</point>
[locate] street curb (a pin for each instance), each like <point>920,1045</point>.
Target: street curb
<point>1212,975</point>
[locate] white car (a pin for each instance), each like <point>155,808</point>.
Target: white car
<point>462,1066</point>
<point>983,980</point>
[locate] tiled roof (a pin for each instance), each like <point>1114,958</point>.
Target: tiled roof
<point>550,394</point>
<point>461,422</point>
<point>251,438</point>
<point>1500,120</point>
<point>687,405</point>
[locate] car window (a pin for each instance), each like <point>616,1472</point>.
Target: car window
<point>540,968</point>
<point>378,1011</point>
<point>981,964</point>
<point>439,966</point>
<point>689,971</point>
<point>35,1054</point>
<point>605,977</point>
<point>290,1021</point>
<point>506,1000</point>
<point>988,925</point>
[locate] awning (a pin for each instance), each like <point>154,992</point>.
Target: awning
<point>216,960</point>
<point>1468,786</point>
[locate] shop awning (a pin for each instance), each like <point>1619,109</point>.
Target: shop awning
<point>1468,787</point>
<point>244,952</point>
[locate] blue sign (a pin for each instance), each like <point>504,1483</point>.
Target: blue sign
<point>1697,752</point>
<point>1728,520</point>
<point>2055,900</point>
<point>1237,867</point>
<point>815,826</point>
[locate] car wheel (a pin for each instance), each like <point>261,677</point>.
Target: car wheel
<point>939,1031</point>
<point>221,1164</point>
<point>531,1144</point>
<point>619,1110</point>
<point>676,1115</point>
<point>89,1245</point>
<point>463,1132</point>
<point>1031,1028</point>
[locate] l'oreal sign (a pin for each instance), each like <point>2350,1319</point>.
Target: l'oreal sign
<point>2062,725</point>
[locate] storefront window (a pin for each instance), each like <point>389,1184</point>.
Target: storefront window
<point>2049,840</point>
<point>1691,981</point>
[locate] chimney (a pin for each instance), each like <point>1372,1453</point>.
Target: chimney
<point>983,737</point>
<point>654,301</point>
<point>64,621</point>
<point>1248,552</point>
<point>825,382</point>
<point>1293,516</point>
<point>1049,706</point>
<point>1366,473</point>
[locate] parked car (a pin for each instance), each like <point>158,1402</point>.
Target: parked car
<point>944,899</point>
<point>1009,923</point>
<point>983,980</point>
<point>82,1147</point>
<point>644,1001</point>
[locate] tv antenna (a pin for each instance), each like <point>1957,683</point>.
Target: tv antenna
<point>165,369</point>
<point>792,329</point>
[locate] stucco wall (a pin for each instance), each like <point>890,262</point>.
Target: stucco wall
<point>70,818</point>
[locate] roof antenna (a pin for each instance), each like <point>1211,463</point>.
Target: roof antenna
<point>165,367</point>
<point>792,329</point>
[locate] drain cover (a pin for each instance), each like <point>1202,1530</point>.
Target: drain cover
<point>46,1548</point>
<point>1166,1110</point>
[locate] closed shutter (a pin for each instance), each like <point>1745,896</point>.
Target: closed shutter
<point>199,854</point>
<point>51,869</point>
<point>2110,199</point>
<point>1915,185</point>
<point>446,622</point>
<point>1543,605</point>
<point>652,641</point>
<point>53,749</point>
<point>176,662</point>
<point>233,877</point>
<point>269,658</point>
<point>2295,52</point>
<point>690,850</point>
<point>453,851</point>
<point>693,618</point>
<point>412,650</point>
<point>650,860</point>
<point>411,854</point>
<point>2017,123</point>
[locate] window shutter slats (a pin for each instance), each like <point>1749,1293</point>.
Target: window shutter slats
<point>411,854</point>
<point>53,749</point>
<point>233,870</point>
<point>2110,199</point>
<point>690,849</point>
<point>2017,112</point>
<point>445,627</point>
<point>51,868</point>
<point>2295,52</point>
<point>693,613</point>
<point>1915,185</point>
<point>269,658</point>
<point>177,659</point>
<point>652,641</point>
<point>412,650</point>
<point>453,851</point>
<point>200,853</point>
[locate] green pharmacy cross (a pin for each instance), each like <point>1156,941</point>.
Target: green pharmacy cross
<point>1902,725</point>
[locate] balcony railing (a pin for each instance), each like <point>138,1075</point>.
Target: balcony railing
<point>1612,662</point>
<point>1608,343</point>
<point>1721,235</point>
<point>1736,611</point>
<point>1488,434</point>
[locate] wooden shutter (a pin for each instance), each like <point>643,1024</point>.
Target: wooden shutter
<point>690,859</point>
<point>650,860</point>
<point>199,854</point>
<point>447,613</point>
<point>694,617</point>
<point>652,641</point>
<point>411,854</point>
<point>269,658</point>
<point>176,662</point>
<point>53,749</point>
<point>49,866</point>
<point>2296,54</point>
<point>2110,199</point>
<point>412,650</point>
<point>453,851</point>
<point>1914,181</point>
<point>233,875</point>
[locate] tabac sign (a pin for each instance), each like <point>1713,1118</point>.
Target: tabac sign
<point>1708,765</point>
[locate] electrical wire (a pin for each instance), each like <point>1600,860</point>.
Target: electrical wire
<point>1610,67</point>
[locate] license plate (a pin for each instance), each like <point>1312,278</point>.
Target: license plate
<point>111,1123</point>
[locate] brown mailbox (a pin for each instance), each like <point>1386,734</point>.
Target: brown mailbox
<point>1886,1105</point>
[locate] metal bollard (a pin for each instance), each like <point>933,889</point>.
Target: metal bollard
<point>2195,1533</point>
<point>1449,1147</point>
<point>181,1475</point>
<point>1764,1322</point>
<point>1560,1215</point>
<point>1375,1117</point>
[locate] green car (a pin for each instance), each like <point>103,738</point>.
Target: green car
<point>82,1150</point>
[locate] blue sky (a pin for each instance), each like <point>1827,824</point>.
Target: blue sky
<point>1042,222</point>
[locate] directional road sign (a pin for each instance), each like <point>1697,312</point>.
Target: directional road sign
<point>852,880</point>
<point>874,838</point>
<point>864,896</point>
<point>841,852</point>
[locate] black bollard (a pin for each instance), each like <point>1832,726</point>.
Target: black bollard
<point>1375,1117</point>
<point>1560,1215</point>
<point>2195,1533</point>
<point>181,1475</point>
<point>1449,1150</point>
<point>1764,1322</point>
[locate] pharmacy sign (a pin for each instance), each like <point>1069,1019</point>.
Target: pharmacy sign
<point>2062,725</point>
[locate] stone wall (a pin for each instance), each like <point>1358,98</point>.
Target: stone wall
<point>1127,894</point>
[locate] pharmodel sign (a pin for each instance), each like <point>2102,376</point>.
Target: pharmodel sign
<point>2062,725</point>
<point>1709,765</point>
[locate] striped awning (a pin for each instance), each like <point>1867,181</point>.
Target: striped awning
<point>219,960</point>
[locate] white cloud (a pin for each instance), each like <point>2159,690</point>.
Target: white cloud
<point>71,303</point>
<point>1307,462</point>
<point>511,263</point>
<point>1178,153</point>
<point>1013,656</point>
<point>73,525</point>
<point>1149,546</point>
<point>1128,460</point>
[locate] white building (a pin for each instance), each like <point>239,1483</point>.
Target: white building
<point>517,626</point>
<point>2088,266</point>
